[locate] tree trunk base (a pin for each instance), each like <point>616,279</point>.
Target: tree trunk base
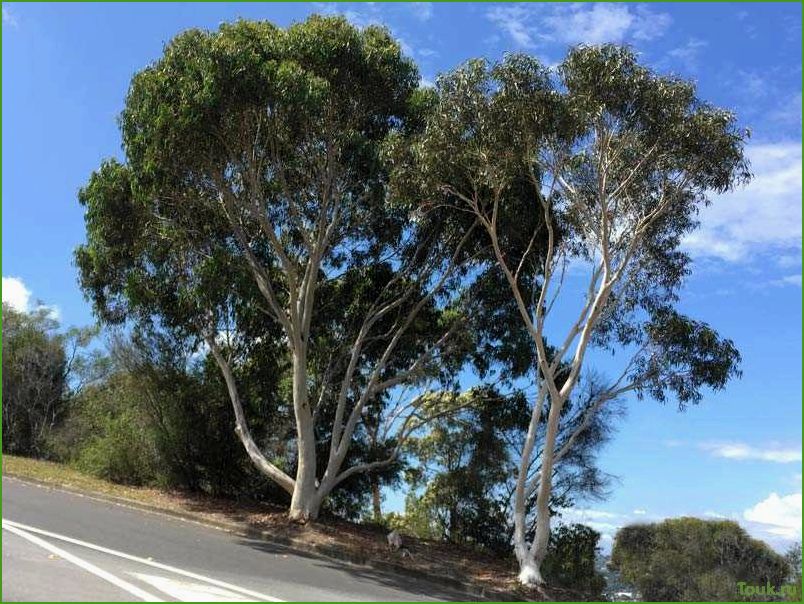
<point>302,516</point>
<point>530,574</point>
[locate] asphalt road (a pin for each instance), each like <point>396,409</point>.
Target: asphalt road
<point>58,546</point>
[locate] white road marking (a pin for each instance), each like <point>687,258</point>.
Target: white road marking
<point>172,569</point>
<point>87,566</point>
<point>186,591</point>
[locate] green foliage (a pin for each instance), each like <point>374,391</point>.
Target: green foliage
<point>570,560</point>
<point>159,418</point>
<point>34,380</point>
<point>463,469</point>
<point>42,368</point>
<point>107,435</point>
<point>248,111</point>
<point>502,137</point>
<point>688,559</point>
<point>793,558</point>
<point>254,188</point>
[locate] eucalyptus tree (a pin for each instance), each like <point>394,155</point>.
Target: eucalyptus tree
<point>615,160</point>
<point>254,182</point>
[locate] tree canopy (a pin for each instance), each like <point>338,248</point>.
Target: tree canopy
<point>254,184</point>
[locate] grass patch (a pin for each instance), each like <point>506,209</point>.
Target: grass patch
<point>61,475</point>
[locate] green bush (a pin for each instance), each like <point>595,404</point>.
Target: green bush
<point>162,418</point>
<point>688,559</point>
<point>119,456</point>
<point>107,434</point>
<point>570,560</point>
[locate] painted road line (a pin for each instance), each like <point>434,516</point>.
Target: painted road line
<point>187,591</point>
<point>87,566</point>
<point>145,561</point>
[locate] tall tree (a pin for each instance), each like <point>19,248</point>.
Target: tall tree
<point>254,182</point>
<point>614,162</point>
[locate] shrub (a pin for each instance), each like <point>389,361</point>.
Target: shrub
<point>108,435</point>
<point>570,560</point>
<point>688,559</point>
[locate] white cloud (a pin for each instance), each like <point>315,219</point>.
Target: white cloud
<point>715,515</point>
<point>777,515</point>
<point>763,217</point>
<point>789,110</point>
<point>741,451</point>
<point>511,19</point>
<point>788,260</point>
<point>8,18</point>
<point>406,48</point>
<point>776,519</point>
<point>794,280</point>
<point>593,514</point>
<point>687,55</point>
<point>533,25</point>
<point>15,293</point>
<point>423,11</point>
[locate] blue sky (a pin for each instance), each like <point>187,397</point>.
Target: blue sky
<point>66,68</point>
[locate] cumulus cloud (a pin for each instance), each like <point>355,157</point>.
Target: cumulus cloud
<point>533,25</point>
<point>741,451</point>
<point>763,217</point>
<point>776,519</point>
<point>777,515</point>
<point>16,294</point>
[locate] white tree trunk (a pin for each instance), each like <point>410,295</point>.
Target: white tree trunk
<point>304,503</point>
<point>529,573</point>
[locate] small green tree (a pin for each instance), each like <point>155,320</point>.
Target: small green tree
<point>688,559</point>
<point>571,558</point>
<point>42,368</point>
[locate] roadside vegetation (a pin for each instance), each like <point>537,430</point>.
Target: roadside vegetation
<point>688,560</point>
<point>318,280</point>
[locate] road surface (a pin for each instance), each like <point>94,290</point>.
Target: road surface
<point>59,546</point>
